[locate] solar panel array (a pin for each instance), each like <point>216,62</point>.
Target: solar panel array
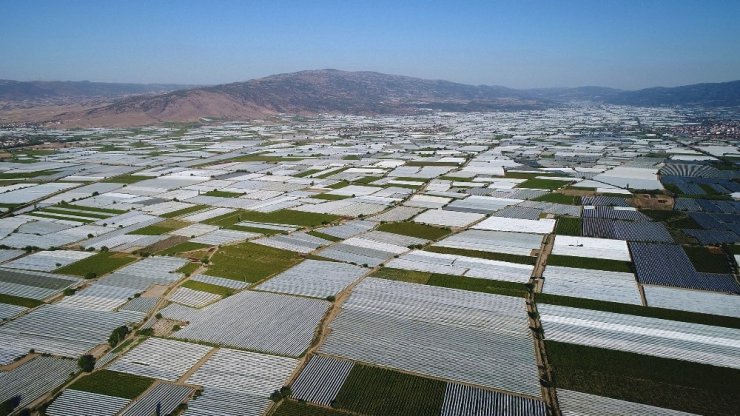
<point>668,265</point>
<point>625,230</point>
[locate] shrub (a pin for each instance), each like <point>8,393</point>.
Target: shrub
<point>86,363</point>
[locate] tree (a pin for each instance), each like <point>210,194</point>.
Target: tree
<point>86,363</point>
<point>118,335</point>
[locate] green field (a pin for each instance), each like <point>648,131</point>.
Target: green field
<point>662,382</point>
<point>57,216</point>
<point>409,276</point>
<point>100,264</point>
<point>454,282</point>
<point>26,175</point>
<point>367,180</point>
<point>589,263</point>
<point>535,183</point>
<point>293,408</point>
<point>706,261</point>
<point>511,258</point>
<point>112,383</point>
<point>127,179</point>
<point>478,285</point>
<point>184,211</point>
<point>430,163</point>
<point>160,227</point>
<point>413,229</point>
<point>89,215</point>
<point>600,305</point>
<point>330,197</point>
<point>19,301</point>
<point>559,198</point>
<point>285,216</point>
<point>324,236</point>
<point>182,248</point>
<point>250,262</point>
<point>223,194</point>
<point>206,287</point>
<point>189,268</point>
<point>380,392</point>
<point>111,211</point>
<point>568,226</point>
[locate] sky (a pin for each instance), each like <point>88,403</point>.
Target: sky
<point>628,44</point>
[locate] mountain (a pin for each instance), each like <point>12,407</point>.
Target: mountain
<point>721,94</point>
<point>312,92</point>
<point>324,91</point>
<point>74,91</point>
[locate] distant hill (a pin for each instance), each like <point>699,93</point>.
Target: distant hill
<point>324,91</point>
<point>722,94</point>
<point>60,91</point>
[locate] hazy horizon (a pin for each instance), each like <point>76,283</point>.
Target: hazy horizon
<point>526,44</point>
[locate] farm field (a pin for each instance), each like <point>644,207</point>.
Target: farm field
<point>444,263</point>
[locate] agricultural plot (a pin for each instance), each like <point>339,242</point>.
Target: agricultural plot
<point>8,311</point>
<point>371,249</point>
<point>163,397</point>
<point>274,323</point>
<point>321,380</point>
<point>348,229</point>
<point>380,392</point>
<point>219,237</point>
<point>573,403</point>
<point>34,285</point>
<point>249,262</point>
<point>444,218</point>
<point>643,379</point>
<point>298,242</point>
<point>314,278</point>
<point>163,359</point>
<point>438,332</point>
<point>47,329</point>
<point>480,204</point>
<point>415,230</point>
<point>238,383</point>
<point>145,273</point>
<point>113,383</point>
<point>543,226</point>
<point>668,265</point>
<point>74,402</point>
<point>642,335</point>
<point>46,261</point>
<point>614,213</point>
<point>99,264</point>
<point>458,265</point>
<point>399,213</point>
<point>588,247</point>
<point>99,297</point>
<point>520,244</point>
<point>463,400</point>
<point>33,379</point>
<point>713,303</point>
<point>591,284</point>
<point>193,298</point>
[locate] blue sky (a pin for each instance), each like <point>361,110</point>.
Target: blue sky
<point>519,43</point>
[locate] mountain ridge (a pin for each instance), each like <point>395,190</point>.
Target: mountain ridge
<point>361,93</point>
